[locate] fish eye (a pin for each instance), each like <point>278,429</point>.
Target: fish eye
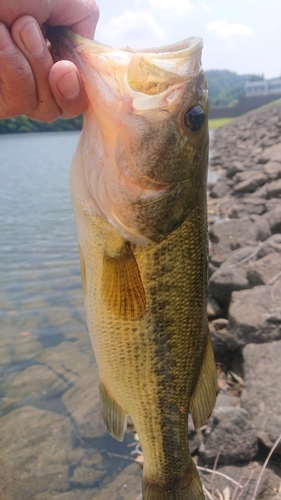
<point>194,118</point>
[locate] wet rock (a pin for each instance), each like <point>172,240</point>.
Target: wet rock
<point>255,315</point>
<point>127,485</point>
<point>229,433</point>
<point>264,270</point>
<point>35,385</point>
<point>224,236</point>
<point>35,445</point>
<point>82,401</point>
<point>67,361</point>
<point>74,494</point>
<point>89,472</point>
<point>261,395</point>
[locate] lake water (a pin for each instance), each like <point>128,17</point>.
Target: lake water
<point>53,444</point>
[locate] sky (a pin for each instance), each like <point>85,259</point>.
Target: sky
<point>239,35</point>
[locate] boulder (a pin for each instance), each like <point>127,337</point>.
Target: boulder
<point>261,395</point>
<point>264,270</point>
<point>226,280</point>
<point>82,402</point>
<point>273,170</point>
<point>230,433</point>
<point>249,185</point>
<point>271,245</point>
<point>225,236</point>
<point>35,447</point>
<point>274,219</point>
<point>273,189</point>
<point>273,153</point>
<point>255,315</point>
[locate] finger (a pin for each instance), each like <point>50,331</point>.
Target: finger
<point>17,85</point>
<point>68,89</point>
<point>29,39</point>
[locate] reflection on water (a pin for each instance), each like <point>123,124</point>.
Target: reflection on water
<point>52,441</point>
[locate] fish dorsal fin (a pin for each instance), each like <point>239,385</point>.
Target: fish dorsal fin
<point>204,395</point>
<point>113,416</point>
<point>122,288</point>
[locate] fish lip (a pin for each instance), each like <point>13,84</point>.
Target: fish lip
<point>183,48</point>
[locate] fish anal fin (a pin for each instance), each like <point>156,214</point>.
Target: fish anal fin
<point>204,395</point>
<point>114,417</point>
<point>83,272</point>
<point>122,288</point>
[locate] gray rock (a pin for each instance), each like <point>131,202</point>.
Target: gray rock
<point>35,446</point>
<point>255,315</point>
<point>224,236</point>
<point>273,153</point>
<point>264,270</point>
<point>229,433</point>
<point>274,189</point>
<point>250,185</point>
<point>247,206</point>
<point>234,168</point>
<point>246,475</point>
<point>89,471</point>
<point>274,219</point>
<point>82,401</point>
<point>224,281</point>
<point>261,395</point>
<point>272,244</point>
<point>225,342</point>
<point>213,308</point>
<point>67,361</point>
<point>219,190</point>
<point>273,170</point>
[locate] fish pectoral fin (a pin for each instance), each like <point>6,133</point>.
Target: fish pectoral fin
<point>122,288</point>
<point>204,395</point>
<point>114,417</point>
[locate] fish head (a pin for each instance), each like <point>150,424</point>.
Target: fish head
<point>141,160</point>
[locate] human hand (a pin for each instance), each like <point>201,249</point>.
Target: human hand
<point>31,83</point>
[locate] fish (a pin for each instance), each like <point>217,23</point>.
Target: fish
<point>138,184</point>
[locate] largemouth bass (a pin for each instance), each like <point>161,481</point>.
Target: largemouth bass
<point>138,183</point>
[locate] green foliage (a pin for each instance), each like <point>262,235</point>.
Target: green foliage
<point>225,87</point>
<point>219,122</point>
<point>21,124</point>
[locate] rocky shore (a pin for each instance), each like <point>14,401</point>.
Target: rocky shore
<point>52,440</point>
<point>245,297</point>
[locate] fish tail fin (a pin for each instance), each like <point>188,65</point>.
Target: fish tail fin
<point>185,488</point>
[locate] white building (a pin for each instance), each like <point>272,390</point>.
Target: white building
<point>263,87</point>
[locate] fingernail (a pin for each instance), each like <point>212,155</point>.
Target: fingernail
<point>32,38</point>
<point>69,85</point>
<point>6,41</point>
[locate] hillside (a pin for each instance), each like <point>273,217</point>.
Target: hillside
<point>226,86</point>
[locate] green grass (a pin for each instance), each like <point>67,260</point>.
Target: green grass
<point>219,122</point>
